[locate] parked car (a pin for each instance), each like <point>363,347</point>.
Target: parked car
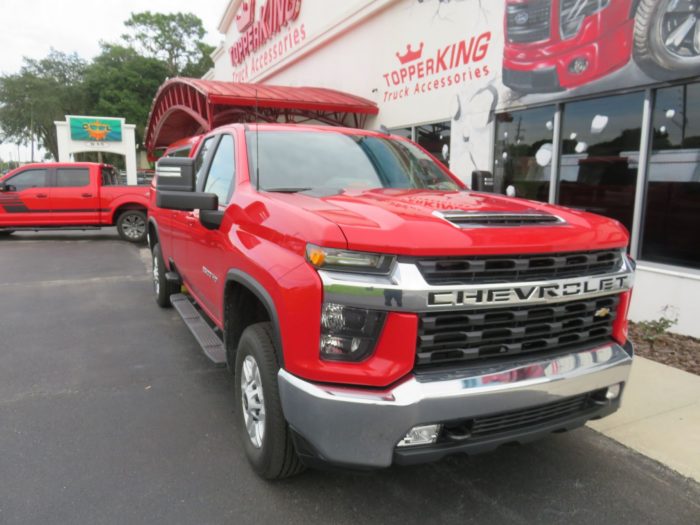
<point>71,196</point>
<point>373,309</point>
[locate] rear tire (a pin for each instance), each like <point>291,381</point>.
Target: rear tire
<point>131,226</point>
<point>263,430</point>
<point>162,288</point>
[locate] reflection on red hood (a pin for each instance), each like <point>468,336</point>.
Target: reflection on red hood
<point>402,222</point>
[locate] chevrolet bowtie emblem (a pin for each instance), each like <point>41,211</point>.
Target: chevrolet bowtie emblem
<point>602,312</point>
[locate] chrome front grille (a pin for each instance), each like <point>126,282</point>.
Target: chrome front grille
<point>517,268</point>
<point>529,21</point>
<point>464,336</point>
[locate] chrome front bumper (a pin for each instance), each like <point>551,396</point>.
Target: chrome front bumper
<point>361,427</point>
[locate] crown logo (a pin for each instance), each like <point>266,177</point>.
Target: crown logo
<point>245,15</point>
<point>410,56</point>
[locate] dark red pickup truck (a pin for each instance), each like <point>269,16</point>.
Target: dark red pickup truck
<point>81,195</point>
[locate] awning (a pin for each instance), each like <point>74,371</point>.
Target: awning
<point>187,106</point>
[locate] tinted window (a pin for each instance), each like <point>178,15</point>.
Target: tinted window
<point>313,160</point>
<point>202,155</point>
<point>28,179</point>
<point>72,177</point>
<point>600,155</point>
<point>672,212</point>
<point>184,152</point>
<point>434,138</point>
<point>524,152</point>
<point>222,169</point>
<point>109,176</point>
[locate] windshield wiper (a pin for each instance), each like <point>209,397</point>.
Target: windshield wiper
<point>286,190</point>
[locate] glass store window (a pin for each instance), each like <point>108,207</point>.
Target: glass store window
<point>671,228</point>
<point>600,155</point>
<point>523,150</point>
<point>435,138</point>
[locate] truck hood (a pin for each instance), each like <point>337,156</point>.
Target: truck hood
<point>404,222</point>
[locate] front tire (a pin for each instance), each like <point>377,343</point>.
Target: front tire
<point>263,430</point>
<point>162,288</point>
<point>131,226</point>
<point>667,38</point>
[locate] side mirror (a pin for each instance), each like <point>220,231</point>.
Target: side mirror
<point>175,186</point>
<point>482,181</point>
<point>175,174</point>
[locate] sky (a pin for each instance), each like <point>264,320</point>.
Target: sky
<point>31,27</point>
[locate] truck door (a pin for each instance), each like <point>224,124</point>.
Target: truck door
<point>75,196</point>
<point>26,201</point>
<point>206,257</point>
<point>177,224</point>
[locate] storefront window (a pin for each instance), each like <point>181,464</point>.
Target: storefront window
<point>600,155</point>
<point>403,132</point>
<point>436,139</point>
<point>524,152</point>
<point>671,231</point>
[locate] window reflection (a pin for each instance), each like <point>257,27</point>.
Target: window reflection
<point>600,155</point>
<point>524,152</point>
<point>672,214</point>
<point>435,138</point>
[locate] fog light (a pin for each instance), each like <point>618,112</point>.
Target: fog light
<point>578,65</point>
<point>421,435</point>
<point>613,391</point>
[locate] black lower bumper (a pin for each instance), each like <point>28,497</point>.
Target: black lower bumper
<point>543,80</point>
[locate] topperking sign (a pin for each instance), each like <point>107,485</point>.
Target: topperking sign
<point>274,15</point>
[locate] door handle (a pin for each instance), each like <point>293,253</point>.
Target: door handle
<point>86,195</point>
<point>41,195</point>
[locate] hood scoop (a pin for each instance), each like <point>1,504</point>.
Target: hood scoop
<point>480,219</point>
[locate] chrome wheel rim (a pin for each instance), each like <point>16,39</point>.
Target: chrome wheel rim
<point>679,28</point>
<point>156,274</point>
<point>133,226</point>
<point>253,401</point>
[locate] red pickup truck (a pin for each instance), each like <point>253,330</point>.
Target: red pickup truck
<point>377,312</point>
<point>80,195</point>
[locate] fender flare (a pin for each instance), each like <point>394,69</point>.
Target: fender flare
<point>152,222</point>
<point>244,279</point>
<point>126,201</point>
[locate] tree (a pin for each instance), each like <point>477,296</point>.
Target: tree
<point>43,91</point>
<point>120,82</point>
<point>174,38</point>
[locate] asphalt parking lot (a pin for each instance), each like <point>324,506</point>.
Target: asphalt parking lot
<point>110,414</point>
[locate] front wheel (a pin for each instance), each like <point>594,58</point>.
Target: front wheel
<point>667,37</point>
<point>263,430</point>
<point>131,226</point>
<point>162,288</point>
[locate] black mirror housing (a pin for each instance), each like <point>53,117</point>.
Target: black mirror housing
<point>186,201</point>
<point>175,174</point>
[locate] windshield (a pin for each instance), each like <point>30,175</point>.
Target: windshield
<point>307,160</point>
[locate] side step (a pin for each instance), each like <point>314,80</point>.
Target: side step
<point>212,346</point>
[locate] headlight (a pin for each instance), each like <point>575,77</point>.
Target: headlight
<point>573,12</point>
<point>348,261</point>
<point>349,334</point>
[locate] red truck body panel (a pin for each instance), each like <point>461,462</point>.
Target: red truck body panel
<point>52,205</point>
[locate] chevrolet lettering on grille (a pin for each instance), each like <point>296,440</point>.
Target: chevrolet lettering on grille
<point>530,293</point>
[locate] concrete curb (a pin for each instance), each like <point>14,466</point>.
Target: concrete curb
<point>660,416</point>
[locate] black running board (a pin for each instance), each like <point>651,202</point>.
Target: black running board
<point>211,344</point>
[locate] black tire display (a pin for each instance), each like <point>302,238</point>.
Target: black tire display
<point>666,38</point>
<point>263,430</point>
<point>162,288</point>
<point>131,226</point>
